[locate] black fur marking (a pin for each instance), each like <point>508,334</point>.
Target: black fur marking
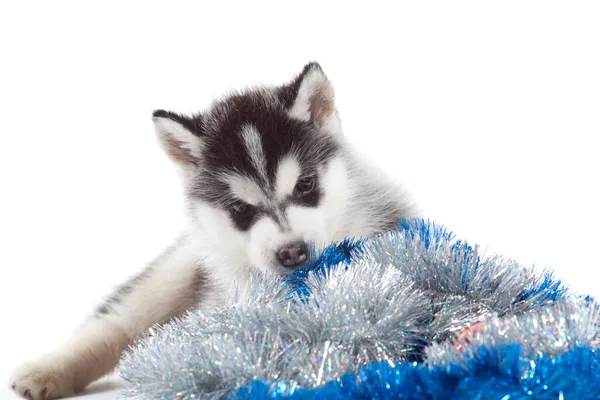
<point>201,284</point>
<point>281,135</point>
<point>245,219</point>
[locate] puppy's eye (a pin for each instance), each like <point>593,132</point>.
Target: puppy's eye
<point>305,185</point>
<point>241,208</point>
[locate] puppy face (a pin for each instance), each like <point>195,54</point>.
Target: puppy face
<point>264,172</point>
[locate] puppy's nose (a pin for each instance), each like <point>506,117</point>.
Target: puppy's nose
<point>293,254</point>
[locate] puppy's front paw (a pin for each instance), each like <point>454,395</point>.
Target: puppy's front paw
<point>43,380</point>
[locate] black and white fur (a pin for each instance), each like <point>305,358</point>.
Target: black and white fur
<point>264,169</point>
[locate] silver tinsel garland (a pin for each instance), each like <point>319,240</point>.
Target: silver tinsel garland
<point>550,331</point>
<point>400,293</point>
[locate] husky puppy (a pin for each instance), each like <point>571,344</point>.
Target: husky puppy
<point>266,171</point>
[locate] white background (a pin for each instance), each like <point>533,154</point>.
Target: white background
<point>488,113</point>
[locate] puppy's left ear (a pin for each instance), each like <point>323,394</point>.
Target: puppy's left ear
<point>310,97</point>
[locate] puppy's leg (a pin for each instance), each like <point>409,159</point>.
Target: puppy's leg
<point>168,287</point>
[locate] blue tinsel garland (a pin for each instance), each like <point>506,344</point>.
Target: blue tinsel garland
<point>430,234</point>
<point>495,373</point>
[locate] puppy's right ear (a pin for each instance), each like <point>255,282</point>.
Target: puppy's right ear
<point>180,136</point>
